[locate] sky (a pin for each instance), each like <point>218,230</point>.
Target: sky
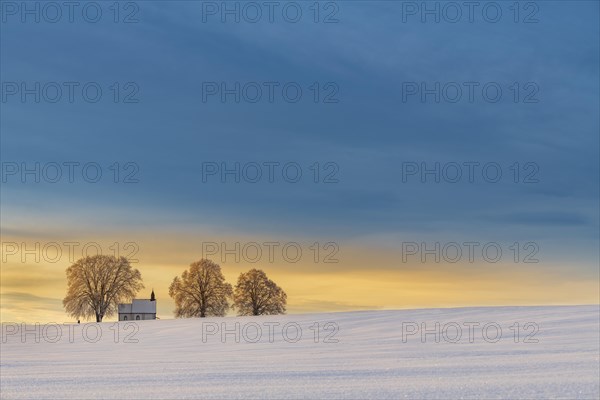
<point>374,147</point>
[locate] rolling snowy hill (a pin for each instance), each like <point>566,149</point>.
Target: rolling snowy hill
<point>541,352</point>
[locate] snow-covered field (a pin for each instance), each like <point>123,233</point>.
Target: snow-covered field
<point>354,355</point>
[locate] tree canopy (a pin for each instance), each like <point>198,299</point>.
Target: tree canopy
<point>201,291</point>
<point>255,294</point>
<point>97,284</point>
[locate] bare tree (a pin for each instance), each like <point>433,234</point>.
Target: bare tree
<point>97,284</point>
<point>201,291</point>
<point>255,294</point>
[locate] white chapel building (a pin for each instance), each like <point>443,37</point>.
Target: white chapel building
<point>138,309</point>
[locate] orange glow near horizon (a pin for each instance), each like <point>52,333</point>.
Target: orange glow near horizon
<point>364,278</point>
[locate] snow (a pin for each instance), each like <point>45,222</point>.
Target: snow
<point>173,360</point>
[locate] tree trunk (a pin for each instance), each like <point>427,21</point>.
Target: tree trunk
<point>98,317</point>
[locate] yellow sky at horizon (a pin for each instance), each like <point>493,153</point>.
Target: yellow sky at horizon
<point>366,277</point>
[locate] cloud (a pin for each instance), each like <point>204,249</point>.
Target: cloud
<point>21,306</point>
<point>556,218</point>
<point>369,133</point>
